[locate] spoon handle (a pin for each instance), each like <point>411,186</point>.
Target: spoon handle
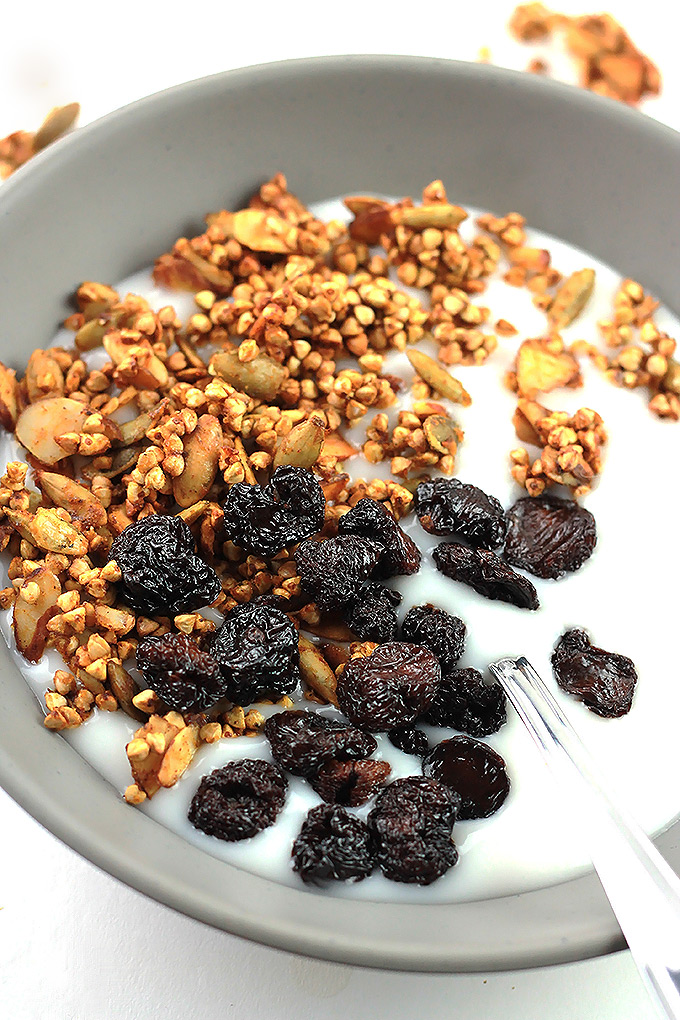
<point>643,890</point>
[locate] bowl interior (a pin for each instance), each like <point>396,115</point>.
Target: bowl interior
<point>106,201</point>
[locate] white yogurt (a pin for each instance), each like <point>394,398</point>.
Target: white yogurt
<point>623,595</point>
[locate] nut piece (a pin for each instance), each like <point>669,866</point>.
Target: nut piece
<point>262,377</point>
<point>9,398</point>
<point>201,456</point>
<point>571,298</point>
<point>40,423</point>
<point>303,444</point>
<point>57,122</point>
<point>316,672</point>
<point>438,378</point>
<point>32,615</point>
<point>171,749</point>
<point>544,365</point>
<point>75,498</point>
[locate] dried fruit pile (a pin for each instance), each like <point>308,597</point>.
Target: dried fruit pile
<point>201,465</point>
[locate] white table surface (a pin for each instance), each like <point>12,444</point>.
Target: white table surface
<point>74,943</point>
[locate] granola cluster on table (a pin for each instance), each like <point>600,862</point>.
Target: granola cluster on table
<point>201,464</point>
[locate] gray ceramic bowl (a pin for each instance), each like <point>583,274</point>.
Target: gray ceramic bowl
<point>103,203</point>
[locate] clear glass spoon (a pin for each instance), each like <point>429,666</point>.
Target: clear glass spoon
<point>643,890</point>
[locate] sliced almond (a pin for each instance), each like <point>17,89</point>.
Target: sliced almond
<point>261,378</point>
<point>75,498</point>
<point>540,370</point>
<point>123,687</point>
<point>39,424</point>
<point>9,398</point>
<point>536,260</point>
<point>438,378</point>
<point>31,618</point>
<point>525,419</point>
<point>316,672</point>
<point>303,444</point>
<point>441,216</point>
<point>261,230</point>
<point>178,756</point>
<point>337,448</point>
<point>57,122</point>
<point>571,298</point>
<point>201,456</point>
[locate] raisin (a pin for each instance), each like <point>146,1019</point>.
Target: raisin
<point>371,519</point>
<point>411,825</point>
<point>474,771</point>
<point>331,571</point>
<point>184,677</point>
<point>548,536</point>
<point>372,616</point>
<point>264,519</point>
<point>604,681</point>
<point>442,633</point>
<point>332,845</point>
<point>257,649</point>
<point>161,572</point>
<point>391,687</point>
<point>302,742</point>
<point>410,740</point>
<point>350,782</point>
<point>238,800</point>
<point>486,573</point>
<point>466,703</point>
<point>447,506</point>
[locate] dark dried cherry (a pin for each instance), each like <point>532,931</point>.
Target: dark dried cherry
<point>548,536</point>
<point>486,573</point>
<point>447,506</point>
<point>161,572</point>
<point>390,687</point>
<point>350,782</point>
<point>410,740</point>
<point>603,681</point>
<point>264,519</point>
<point>333,844</point>
<point>371,519</point>
<point>257,649</point>
<point>474,771</point>
<point>411,825</point>
<point>372,616</point>
<point>238,800</point>
<point>331,571</point>
<point>442,633</point>
<point>466,703</point>
<point>184,676</point>
<point>302,742</point>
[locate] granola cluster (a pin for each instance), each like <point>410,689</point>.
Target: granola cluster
<point>571,448</point>
<point>608,61</point>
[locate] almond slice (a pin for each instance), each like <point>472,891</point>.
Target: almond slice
<point>40,423</point>
<point>30,618</point>
<point>540,369</point>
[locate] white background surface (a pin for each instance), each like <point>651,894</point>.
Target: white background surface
<point>75,944</point>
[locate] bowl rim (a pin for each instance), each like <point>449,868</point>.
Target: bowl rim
<point>95,837</point>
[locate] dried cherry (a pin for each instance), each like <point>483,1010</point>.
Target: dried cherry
<point>264,519</point>
<point>447,506</point>
<point>411,825</point>
<point>548,536</point>
<point>410,740</point>
<point>161,572</point>
<point>371,519</point>
<point>372,616</point>
<point>257,649</point>
<point>331,571</point>
<point>333,844</point>
<point>474,771</point>
<point>351,783</point>
<point>238,800</point>
<point>466,703</point>
<point>438,630</point>
<point>486,573</point>
<point>302,742</point>
<point>604,681</point>
<point>390,687</point>
<point>184,676</point>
